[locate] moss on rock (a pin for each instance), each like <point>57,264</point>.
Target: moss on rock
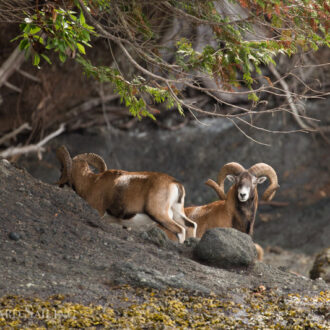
<point>171,308</point>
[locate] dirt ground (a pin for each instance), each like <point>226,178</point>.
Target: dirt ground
<point>53,243</point>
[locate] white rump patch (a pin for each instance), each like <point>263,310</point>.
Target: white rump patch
<point>174,196</point>
<point>177,211</point>
<point>140,222</point>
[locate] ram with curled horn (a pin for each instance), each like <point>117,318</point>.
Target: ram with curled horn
<point>237,208</point>
<point>121,194</point>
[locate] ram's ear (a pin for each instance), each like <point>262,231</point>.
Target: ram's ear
<point>231,178</point>
<point>261,179</point>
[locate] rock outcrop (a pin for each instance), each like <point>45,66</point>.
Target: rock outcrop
<point>226,248</point>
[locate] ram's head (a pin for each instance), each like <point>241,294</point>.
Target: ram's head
<point>246,181</point>
<point>69,165</point>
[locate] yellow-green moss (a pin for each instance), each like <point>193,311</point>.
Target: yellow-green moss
<point>170,309</point>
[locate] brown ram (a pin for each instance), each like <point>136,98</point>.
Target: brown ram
<point>124,194</point>
<point>238,207</point>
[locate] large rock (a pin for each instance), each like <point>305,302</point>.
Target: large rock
<point>226,248</point>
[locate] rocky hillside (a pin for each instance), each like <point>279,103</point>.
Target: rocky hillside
<point>291,234</point>
<point>53,244</point>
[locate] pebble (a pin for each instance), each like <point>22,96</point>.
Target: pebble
<point>14,236</point>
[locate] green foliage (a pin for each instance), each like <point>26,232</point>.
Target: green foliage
<point>232,61</point>
<point>131,92</point>
<point>60,30</point>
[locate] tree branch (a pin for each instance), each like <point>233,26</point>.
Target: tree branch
<point>292,105</point>
<point>14,133</point>
<point>13,62</point>
<point>38,148</point>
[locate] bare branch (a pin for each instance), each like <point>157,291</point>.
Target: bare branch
<point>29,76</point>
<point>248,136</point>
<point>13,62</point>
<point>13,87</point>
<point>37,148</point>
<point>90,104</point>
<point>292,105</point>
<point>14,133</point>
<point>145,71</point>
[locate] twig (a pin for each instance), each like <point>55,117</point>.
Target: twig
<point>14,133</point>
<point>28,75</point>
<point>292,105</point>
<point>38,148</point>
<point>12,63</point>
<point>248,136</point>
<point>145,71</point>
<point>90,104</point>
<point>13,87</point>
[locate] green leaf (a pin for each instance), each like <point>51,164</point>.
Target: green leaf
<point>81,48</point>
<point>16,38</point>
<point>39,39</point>
<point>62,57</point>
<point>82,18</point>
<point>180,108</point>
<point>253,97</point>
<point>27,28</point>
<point>36,59</point>
<point>24,44</point>
<point>34,29</point>
<point>46,58</point>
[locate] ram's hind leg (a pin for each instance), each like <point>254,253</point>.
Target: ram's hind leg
<point>165,219</point>
<point>260,251</point>
<point>180,217</point>
<point>160,208</point>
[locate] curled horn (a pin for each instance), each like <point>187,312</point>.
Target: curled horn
<point>94,160</point>
<point>64,157</point>
<point>216,187</point>
<point>229,168</point>
<point>260,169</point>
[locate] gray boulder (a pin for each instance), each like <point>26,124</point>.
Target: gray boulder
<point>226,248</point>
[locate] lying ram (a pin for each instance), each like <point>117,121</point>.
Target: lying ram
<point>124,194</point>
<point>238,207</point>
